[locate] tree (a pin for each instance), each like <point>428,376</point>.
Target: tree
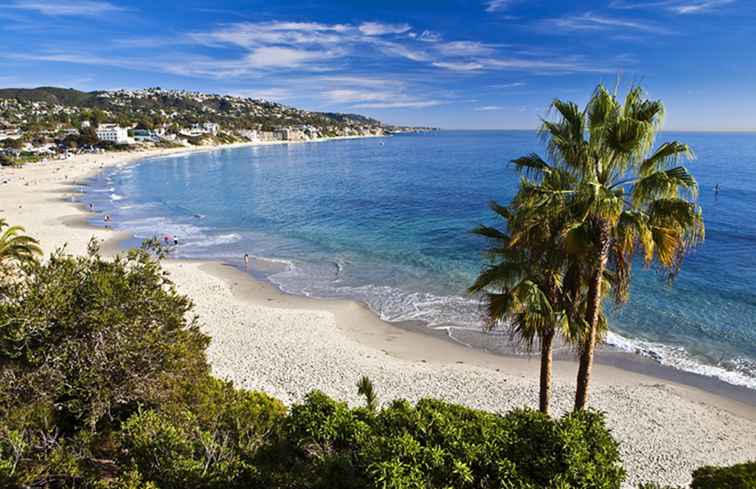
<point>88,137</point>
<point>17,247</point>
<point>624,197</point>
<point>524,284</point>
<point>11,143</point>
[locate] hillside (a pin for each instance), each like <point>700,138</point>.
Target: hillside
<point>155,107</point>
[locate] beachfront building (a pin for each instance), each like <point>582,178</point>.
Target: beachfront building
<point>203,129</point>
<point>113,133</point>
<point>145,136</point>
<point>251,136</point>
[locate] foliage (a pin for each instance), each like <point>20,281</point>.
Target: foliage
<point>741,476</point>
<point>365,388</point>
<point>434,444</point>
<point>526,285</point>
<point>613,196</point>
<point>16,248</point>
<point>104,383</point>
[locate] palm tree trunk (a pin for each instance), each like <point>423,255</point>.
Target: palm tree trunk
<point>592,317</point>
<point>544,397</point>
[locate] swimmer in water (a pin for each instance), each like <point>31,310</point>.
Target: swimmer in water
<point>716,189</point>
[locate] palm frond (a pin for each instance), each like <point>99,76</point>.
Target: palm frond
<point>669,152</point>
<point>532,165</point>
<point>665,184</point>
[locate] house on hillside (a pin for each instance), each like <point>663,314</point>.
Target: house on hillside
<point>203,129</point>
<point>113,133</point>
<point>145,136</point>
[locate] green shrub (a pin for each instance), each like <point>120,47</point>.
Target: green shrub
<point>741,476</point>
<point>83,343</point>
<point>436,445</point>
<point>104,384</point>
<point>95,338</point>
<point>177,453</point>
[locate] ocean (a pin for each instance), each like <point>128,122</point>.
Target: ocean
<point>387,221</point>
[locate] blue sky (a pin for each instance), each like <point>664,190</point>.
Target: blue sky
<point>448,63</point>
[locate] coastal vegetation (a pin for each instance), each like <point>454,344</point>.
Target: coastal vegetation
<point>16,248</point>
<point>104,380</point>
<point>579,219</point>
<point>104,383</point>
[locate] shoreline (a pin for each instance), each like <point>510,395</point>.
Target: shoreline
<point>606,355</point>
<point>438,347</point>
<point>287,345</point>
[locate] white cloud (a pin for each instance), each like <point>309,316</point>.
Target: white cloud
<point>464,48</point>
<point>459,66</point>
<point>359,81</point>
<point>251,34</point>
<point>380,29</point>
<point>487,108</point>
<point>592,22</point>
<point>401,50</point>
<point>498,5</point>
<point>280,57</point>
<point>420,104</point>
<point>681,7</point>
<point>430,36</point>
<point>699,7</point>
<point>82,8</point>
<point>508,85</point>
<point>542,65</point>
<point>372,93</point>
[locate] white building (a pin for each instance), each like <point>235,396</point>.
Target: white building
<point>251,136</point>
<point>113,133</point>
<point>206,128</point>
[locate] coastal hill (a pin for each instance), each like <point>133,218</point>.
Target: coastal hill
<point>50,109</point>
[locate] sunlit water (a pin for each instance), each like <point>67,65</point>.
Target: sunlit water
<point>386,221</point>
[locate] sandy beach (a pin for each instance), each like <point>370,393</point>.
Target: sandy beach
<point>287,346</point>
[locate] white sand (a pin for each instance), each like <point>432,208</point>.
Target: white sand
<point>287,346</point>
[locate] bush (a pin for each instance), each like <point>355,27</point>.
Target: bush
<point>741,476</point>
<point>436,445</point>
<point>83,343</point>
<point>95,338</point>
<point>104,384</point>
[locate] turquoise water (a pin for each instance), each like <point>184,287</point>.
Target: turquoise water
<point>387,221</point>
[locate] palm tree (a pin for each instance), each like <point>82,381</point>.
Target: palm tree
<point>523,287</point>
<point>624,196</point>
<point>15,246</point>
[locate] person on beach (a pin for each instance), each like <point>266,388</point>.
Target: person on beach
<point>246,260</point>
<point>107,221</point>
<point>91,206</point>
